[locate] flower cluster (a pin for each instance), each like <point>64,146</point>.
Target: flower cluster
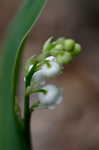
<point>48,64</point>
<point>63,49</point>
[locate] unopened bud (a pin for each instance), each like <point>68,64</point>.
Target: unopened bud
<point>64,58</point>
<point>77,49</point>
<point>69,44</point>
<point>59,47</point>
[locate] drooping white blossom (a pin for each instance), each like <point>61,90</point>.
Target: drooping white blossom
<point>46,71</point>
<point>52,97</point>
<point>53,68</point>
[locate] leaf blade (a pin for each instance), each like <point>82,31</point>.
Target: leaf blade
<point>18,31</point>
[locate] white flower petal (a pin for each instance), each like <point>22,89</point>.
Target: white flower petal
<point>54,68</point>
<point>52,97</point>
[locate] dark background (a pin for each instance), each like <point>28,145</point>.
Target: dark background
<point>74,125</point>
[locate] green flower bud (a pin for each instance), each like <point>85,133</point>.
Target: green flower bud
<point>64,58</point>
<point>59,47</point>
<point>55,52</point>
<point>77,49</point>
<point>69,44</point>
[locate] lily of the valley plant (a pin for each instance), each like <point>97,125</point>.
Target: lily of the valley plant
<point>50,63</point>
<point>14,130</point>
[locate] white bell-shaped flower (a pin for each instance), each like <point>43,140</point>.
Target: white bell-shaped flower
<point>37,79</point>
<point>52,69</point>
<point>46,71</point>
<point>52,97</point>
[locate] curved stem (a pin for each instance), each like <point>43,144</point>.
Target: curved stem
<point>31,91</point>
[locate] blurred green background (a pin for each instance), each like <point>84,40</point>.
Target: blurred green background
<point>74,125</point>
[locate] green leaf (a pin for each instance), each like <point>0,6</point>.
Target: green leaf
<point>11,135</point>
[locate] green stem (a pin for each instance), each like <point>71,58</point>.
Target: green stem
<point>27,111</point>
<point>27,117</point>
<point>27,114</point>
